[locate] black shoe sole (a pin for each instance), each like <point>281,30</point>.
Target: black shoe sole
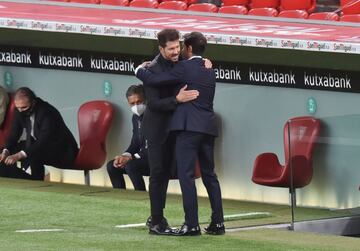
<point>215,233</point>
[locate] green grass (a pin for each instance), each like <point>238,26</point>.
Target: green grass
<point>88,216</point>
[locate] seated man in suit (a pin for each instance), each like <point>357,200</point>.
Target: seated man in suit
<point>38,137</point>
<point>134,161</point>
<point>195,127</point>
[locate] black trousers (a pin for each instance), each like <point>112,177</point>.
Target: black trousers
<point>162,164</point>
<point>189,146</point>
<point>53,157</point>
<point>136,169</point>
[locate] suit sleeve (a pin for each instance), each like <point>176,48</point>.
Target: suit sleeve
<point>155,103</point>
<point>172,77</point>
<point>134,146</point>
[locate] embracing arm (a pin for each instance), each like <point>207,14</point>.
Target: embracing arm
<point>174,76</point>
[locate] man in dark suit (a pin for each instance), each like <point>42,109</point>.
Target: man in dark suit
<point>134,161</point>
<point>195,126</point>
<point>38,137</point>
<point>161,103</point>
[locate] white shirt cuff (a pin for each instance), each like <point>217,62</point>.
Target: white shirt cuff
<point>137,156</point>
<point>126,154</point>
<point>137,69</point>
<point>23,154</point>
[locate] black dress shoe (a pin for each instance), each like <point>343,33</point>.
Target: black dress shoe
<point>185,230</point>
<point>148,221</point>
<point>162,228</point>
<point>215,229</point>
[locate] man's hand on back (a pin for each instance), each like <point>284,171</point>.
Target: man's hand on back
<point>186,95</point>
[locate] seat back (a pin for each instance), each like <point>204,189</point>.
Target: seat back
<point>304,132</point>
<point>235,2</point>
<point>350,6</point>
<point>332,16</point>
<point>6,125</point>
<point>203,7</point>
<point>264,4</point>
<point>294,14</point>
<point>144,3</point>
<point>233,9</point>
<point>351,18</point>
<point>308,5</point>
<point>173,5</point>
<point>94,121</point>
<point>268,12</point>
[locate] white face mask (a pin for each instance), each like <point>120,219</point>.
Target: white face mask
<point>138,109</point>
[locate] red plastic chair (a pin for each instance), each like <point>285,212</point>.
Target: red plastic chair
<point>294,14</point>
<point>233,9</point>
<point>115,2</point>
<point>173,5</point>
<point>332,16</point>
<point>264,4</point>
<point>350,6</point>
<point>350,18</point>
<point>308,5</point>
<point>144,3</point>
<point>268,171</point>
<point>94,121</point>
<point>235,2</point>
<point>6,125</point>
<point>203,7</point>
<point>267,12</point>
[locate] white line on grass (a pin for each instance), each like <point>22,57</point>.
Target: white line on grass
<point>39,230</point>
<point>225,217</point>
<point>245,214</point>
<point>131,225</point>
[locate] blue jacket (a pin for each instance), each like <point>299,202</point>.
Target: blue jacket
<point>197,115</point>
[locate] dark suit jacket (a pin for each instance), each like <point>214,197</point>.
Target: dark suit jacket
<point>197,115</point>
<point>161,104</point>
<point>52,135</point>
<point>138,143</point>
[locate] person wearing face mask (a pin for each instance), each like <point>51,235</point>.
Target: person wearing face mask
<point>38,137</point>
<point>134,161</point>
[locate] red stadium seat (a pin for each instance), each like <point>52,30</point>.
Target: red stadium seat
<point>6,125</point>
<point>351,18</point>
<point>233,9</point>
<point>294,14</point>
<point>264,4</point>
<point>85,1</point>
<point>350,6</point>
<point>303,132</point>
<point>235,2</point>
<point>308,5</point>
<point>144,3</point>
<point>332,16</point>
<point>173,5</point>
<point>94,121</point>
<point>115,2</point>
<point>203,7</point>
<point>267,12</point>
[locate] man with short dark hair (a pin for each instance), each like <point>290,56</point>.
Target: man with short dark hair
<point>161,103</point>
<point>38,137</point>
<point>196,129</point>
<point>134,161</point>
